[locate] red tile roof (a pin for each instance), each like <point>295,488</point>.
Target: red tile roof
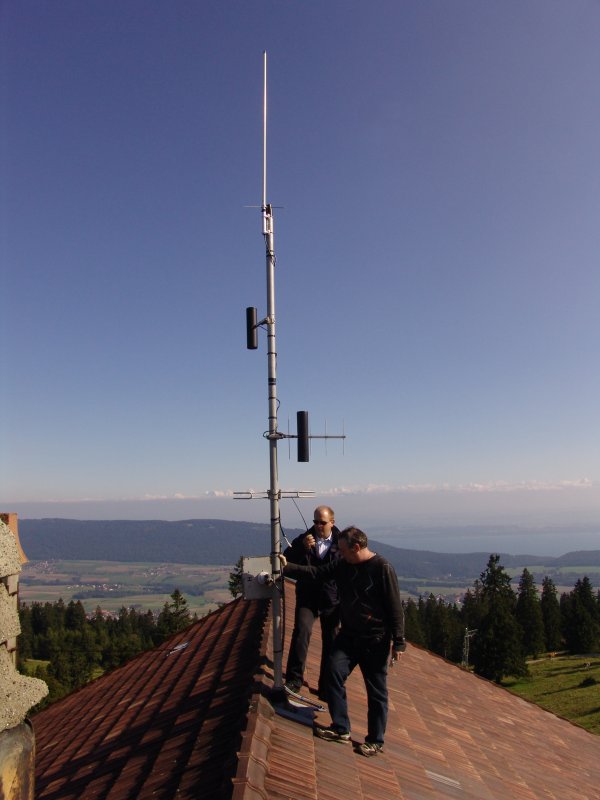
<point>198,722</point>
<point>166,723</point>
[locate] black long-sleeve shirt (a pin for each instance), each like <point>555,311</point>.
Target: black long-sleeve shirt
<point>370,605</point>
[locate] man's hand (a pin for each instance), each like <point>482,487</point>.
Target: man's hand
<point>309,541</point>
<point>282,560</point>
<point>395,657</point>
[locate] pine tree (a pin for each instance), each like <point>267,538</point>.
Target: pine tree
<point>42,621</point>
<point>235,579</point>
<point>175,616</point>
<point>430,622</point>
<point>181,612</point>
<point>584,590</point>
<point>147,630</point>
<point>56,613</point>
<point>551,615</point>
<point>99,626</point>
<point>455,633</point>
<point>75,618</point>
<point>472,611</point>
<point>528,613</point>
<point>497,644</point>
<point>582,626</point>
<point>25,649</point>
<point>443,630</point>
<point>412,623</point>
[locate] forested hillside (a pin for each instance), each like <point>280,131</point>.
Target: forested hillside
<point>222,542</point>
<point>205,541</point>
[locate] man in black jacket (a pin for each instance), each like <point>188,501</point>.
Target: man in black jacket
<point>314,598</point>
<point>372,631</point>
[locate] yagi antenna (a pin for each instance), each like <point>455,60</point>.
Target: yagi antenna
<point>274,494</point>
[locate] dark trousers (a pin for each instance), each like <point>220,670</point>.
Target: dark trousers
<point>372,656</point>
<point>303,624</point>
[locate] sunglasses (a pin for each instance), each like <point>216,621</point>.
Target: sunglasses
<point>321,521</point>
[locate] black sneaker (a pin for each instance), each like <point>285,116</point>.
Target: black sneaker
<point>293,686</point>
<point>369,749</point>
<point>332,735</point>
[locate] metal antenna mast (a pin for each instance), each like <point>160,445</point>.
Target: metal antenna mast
<point>264,584</point>
<point>273,435</point>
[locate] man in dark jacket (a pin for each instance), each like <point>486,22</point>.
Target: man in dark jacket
<point>372,632</point>
<point>314,598</point>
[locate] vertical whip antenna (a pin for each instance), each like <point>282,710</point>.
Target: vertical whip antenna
<point>264,193</point>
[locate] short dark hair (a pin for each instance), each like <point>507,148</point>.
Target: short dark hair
<point>354,536</point>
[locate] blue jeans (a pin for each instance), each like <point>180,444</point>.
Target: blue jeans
<point>372,656</point>
<point>303,625</point>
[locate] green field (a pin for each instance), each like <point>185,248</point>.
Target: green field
<point>447,589</point>
<point>577,571</point>
<point>111,584</point>
<point>566,685</point>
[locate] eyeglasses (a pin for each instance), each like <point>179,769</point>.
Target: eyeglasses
<point>321,521</point>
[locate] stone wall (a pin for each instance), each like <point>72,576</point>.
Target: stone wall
<point>18,694</point>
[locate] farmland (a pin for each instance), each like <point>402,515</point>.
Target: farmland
<point>111,584</point>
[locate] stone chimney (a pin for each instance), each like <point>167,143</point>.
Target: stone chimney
<point>18,694</point>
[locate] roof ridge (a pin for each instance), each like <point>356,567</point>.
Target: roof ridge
<point>253,756</point>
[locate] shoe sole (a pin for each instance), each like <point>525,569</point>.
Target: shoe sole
<point>333,739</point>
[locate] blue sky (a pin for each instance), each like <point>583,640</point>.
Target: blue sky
<point>437,256</point>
